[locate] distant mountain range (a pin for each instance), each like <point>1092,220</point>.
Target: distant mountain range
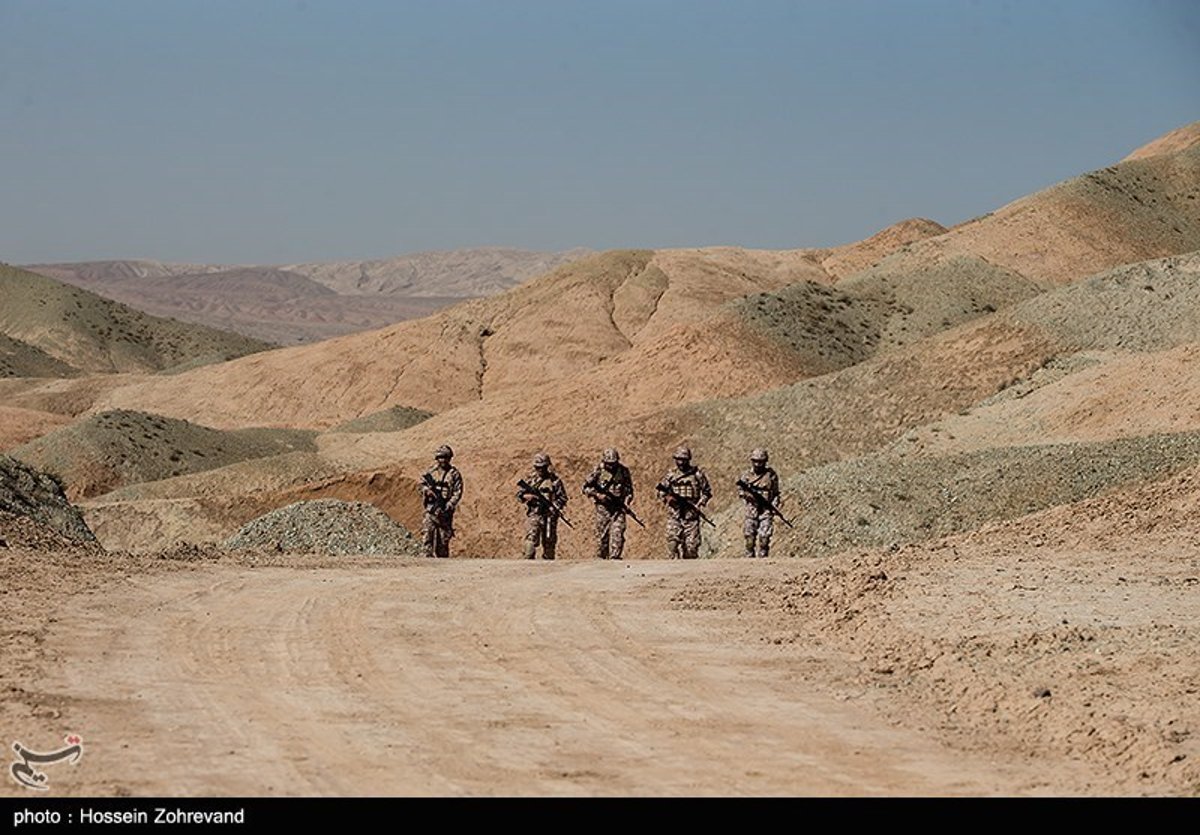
<point>297,303</point>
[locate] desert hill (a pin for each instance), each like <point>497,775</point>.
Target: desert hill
<point>99,273</point>
<point>891,304</point>
<point>1105,396</point>
<point>1179,139</point>
<point>83,330</point>
<point>840,262</point>
<point>302,303</point>
<point>18,425</point>
<point>552,328</point>
<point>883,500</point>
<point>265,303</point>
<point>588,312</point>
<point>1132,211</point>
<point>20,359</point>
<point>477,271</point>
<point>111,449</point>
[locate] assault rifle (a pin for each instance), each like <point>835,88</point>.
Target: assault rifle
<point>670,491</point>
<point>436,489</point>
<point>762,501</point>
<point>528,489</point>
<point>604,491</point>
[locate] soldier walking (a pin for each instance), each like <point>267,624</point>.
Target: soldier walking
<point>611,488</point>
<point>441,491</point>
<point>759,489</point>
<point>544,496</point>
<point>685,490</point>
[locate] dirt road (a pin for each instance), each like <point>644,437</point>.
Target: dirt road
<point>463,678</point>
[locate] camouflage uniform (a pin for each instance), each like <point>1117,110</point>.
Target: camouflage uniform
<point>613,476</point>
<point>759,522</point>
<point>683,519</point>
<point>440,503</point>
<point>541,523</point>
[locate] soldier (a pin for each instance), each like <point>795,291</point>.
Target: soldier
<point>759,487</point>
<point>610,486</point>
<point>685,490</point>
<point>544,496</point>
<point>441,491</point>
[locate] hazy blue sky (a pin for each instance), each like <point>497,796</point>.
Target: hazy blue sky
<point>264,131</point>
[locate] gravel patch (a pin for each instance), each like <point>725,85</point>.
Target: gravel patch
<point>327,526</point>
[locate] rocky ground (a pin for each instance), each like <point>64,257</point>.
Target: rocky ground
<point>326,526</point>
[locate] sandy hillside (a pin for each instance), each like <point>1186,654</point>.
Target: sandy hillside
<point>301,303</point>
<point>94,334</point>
<point>549,329</point>
<point>20,359</point>
<point>1179,139</point>
<point>1131,211</point>
<point>265,303</point>
<point>111,449</point>
<point>847,260</point>
<point>19,425</point>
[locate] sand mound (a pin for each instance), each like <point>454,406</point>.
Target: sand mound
<point>27,492</point>
<point>327,526</point>
<point>111,449</point>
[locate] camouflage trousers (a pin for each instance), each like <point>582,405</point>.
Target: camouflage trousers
<point>610,533</point>
<point>757,530</point>
<point>439,530</point>
<point>683,534</point>
<point>541,530</point>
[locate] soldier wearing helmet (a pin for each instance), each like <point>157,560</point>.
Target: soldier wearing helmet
<point>441,491</point>
<point>758,486</point>
<point>544,488</point>
<point>690,484</point>
<point>610,487</point>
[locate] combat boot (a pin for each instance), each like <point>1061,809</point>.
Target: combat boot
<point>750,547</point>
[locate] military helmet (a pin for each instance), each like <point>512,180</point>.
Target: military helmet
<point>683,454</point>
<point>443,451</point>
<point>759,454</point>
<point>541,460</point>
<point>611,456</point>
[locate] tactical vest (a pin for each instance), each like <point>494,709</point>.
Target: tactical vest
<point>544,486</point>
<point>687,486</point>
<point>443,486</point>
<point>763,482</point>
<point>613,482</point>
